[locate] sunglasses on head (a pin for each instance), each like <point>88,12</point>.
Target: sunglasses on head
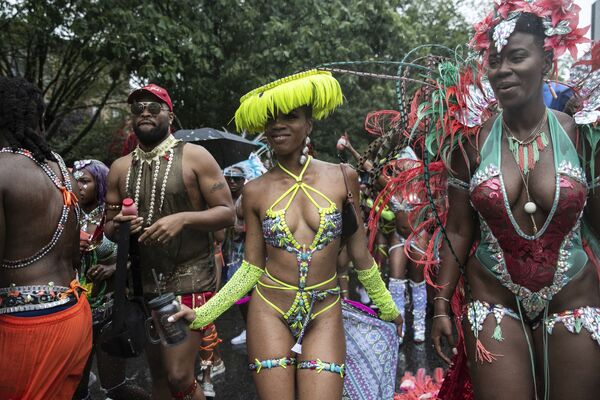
<point>153,107</point>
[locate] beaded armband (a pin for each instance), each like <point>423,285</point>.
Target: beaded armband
<point>375,287</point>
<point>240,283</point>
<point>259,365</point>
<point>318,365</point>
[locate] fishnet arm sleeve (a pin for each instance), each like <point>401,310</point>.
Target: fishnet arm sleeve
<point>240,283</point>
<point>371,280</point>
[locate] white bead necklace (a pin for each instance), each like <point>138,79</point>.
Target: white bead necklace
<point>94,217</point>
<point>153,159</point>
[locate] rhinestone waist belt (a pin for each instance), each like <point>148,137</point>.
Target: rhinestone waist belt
<point>29,298</point>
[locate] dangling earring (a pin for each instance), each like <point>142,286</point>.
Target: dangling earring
<point>304,155</point>
<point>552,92</point>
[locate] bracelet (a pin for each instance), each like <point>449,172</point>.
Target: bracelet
<point>113,207</point>
<point>441,298</point>
<point>441,315</point>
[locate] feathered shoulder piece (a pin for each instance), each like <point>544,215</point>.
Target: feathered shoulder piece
<point>584,105</point>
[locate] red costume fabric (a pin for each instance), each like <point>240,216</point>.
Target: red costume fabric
<point>528,261</point>
<point>210,338</point>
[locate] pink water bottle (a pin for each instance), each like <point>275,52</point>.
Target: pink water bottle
<point>129,207</point>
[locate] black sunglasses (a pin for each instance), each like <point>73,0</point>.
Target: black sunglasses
<point>235,178</point>
<point>154,108</point>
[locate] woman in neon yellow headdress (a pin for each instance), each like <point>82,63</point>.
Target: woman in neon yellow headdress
<point>293,233</point>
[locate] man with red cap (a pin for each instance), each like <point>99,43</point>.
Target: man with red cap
<point>181,197</point>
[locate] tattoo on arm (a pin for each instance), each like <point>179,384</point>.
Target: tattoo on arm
<point>217,186</point>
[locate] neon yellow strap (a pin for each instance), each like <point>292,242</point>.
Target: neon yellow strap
<point>371,280</point>
<point>269,302</point>
<point>298,178</point>
<point>313,316</point>
<point>304,186</point>
<point>381,248</point>
<point>294,188</point>
<point>240,283</point>
<point>299,185</point>
<point>287,286</point>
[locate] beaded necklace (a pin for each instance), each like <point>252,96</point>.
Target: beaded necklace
<point>526,152</point>
<point>69,199</point>
<point>94,217</point>
<point>153,159</point>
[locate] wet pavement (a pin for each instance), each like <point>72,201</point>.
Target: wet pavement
<point>236,383</point>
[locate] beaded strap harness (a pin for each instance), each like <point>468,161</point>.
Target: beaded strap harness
<point>69,199</point>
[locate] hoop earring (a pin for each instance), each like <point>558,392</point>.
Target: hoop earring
<point>305,150</point>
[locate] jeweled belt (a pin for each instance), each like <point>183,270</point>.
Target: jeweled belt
<point>30,298</point>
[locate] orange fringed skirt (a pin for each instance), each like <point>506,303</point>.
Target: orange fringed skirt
<point>43,357</point>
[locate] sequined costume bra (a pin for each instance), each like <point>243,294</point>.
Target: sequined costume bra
<point>534,268</point>
<point>277,234</point>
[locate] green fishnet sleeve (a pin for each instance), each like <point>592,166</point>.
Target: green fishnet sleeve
<point>240,283</point>
<point>371,280</point>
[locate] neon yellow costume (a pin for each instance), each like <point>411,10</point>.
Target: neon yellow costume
<point>321,92</point>
<point>277,234</point>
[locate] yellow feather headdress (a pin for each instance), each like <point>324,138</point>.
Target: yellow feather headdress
<point>314,88</point>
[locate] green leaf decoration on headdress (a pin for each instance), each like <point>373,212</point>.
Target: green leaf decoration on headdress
<point>316,89</point>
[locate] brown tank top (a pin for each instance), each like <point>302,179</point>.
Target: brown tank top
<point>186,264</point>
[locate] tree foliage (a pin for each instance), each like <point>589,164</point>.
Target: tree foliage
<point>85,53</point>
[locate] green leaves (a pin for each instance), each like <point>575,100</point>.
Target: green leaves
<point>208,54</point>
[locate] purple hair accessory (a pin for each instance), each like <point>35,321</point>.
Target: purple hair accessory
<point>81,163</point>
<point>99,171</point>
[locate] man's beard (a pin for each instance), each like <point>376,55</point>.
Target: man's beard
<point>153,137</point>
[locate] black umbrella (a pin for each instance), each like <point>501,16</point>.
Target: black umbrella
<point>225,147</point>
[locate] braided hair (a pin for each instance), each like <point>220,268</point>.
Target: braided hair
<point>21,112</point>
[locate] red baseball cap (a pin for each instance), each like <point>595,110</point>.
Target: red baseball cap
<point>155,90</point>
